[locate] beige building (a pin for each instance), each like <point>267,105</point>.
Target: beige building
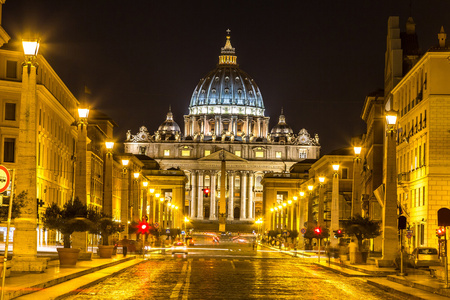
<point>422,100</point>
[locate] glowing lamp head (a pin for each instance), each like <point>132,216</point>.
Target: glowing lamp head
<point>145,183</point>
<point>310,187</point>
<point>186,219</point>
<point>302,193</point>
<point>275,208</point>
<point>161,199</point>
<point>109,145</point>
<point>321,179</point>
<point>295,198</point>
<point>30,47</point>
<point>151,191</point>
<point>357,150</point>
<point>136,175</point>
<point>83,113</point>
<point>289,202</point>
<point>336,167</point>
<point>391,118</point>
<point>271,209</point>
<point>157,195</point>
<point>284,204</point>
<point>280,207</point>
<point>125,162</point>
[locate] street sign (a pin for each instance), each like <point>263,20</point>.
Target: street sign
<point>167,230</point>
<point>443,217</point>
<point>183,232</point>
<point>156,225</point>
<point>5,178</point>
<point>409,235</point>
<point>303,230</point>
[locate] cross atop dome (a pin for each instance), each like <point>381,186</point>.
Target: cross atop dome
<point>227,57</point>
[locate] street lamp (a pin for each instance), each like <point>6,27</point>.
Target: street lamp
<point>357,182</point>
<point>335,203</point>
<point>125,163</point>
<point>320,216</point>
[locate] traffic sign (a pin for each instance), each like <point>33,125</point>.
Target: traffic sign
<point>409,235</point>
<point>167,230</point>
<point>156,225</point>
<point>5,178</point>
<point>303,230</point>
<point>183,232</point>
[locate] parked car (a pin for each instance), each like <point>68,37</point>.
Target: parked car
<point>179,247</point>
<point>424,257</point>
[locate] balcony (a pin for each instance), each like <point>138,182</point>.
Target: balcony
<point>404,177</point>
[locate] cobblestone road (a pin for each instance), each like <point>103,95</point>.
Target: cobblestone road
<point>232,275</point>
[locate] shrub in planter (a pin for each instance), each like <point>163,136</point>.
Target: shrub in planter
<point>105,226</point>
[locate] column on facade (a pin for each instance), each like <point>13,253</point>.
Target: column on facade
<point>205,125</point>
<point>192,131</point>
<point>250,195</point>
<point>186,126</point>
<point>194,191</point>
<point>247,125</point>
<point>212,207</point>
<point>231,196</point>
<point>234,125</point>
<point>258,127</point>
<point>177,199</point>
<point>243,195</point>
<point>200,195</point>
<point>217,125</point>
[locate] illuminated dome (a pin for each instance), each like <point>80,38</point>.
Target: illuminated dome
<point>281,129</point>
<point>169,126</point>
<point>227,89</point>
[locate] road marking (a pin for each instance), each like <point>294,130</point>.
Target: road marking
<point>177,288</point>
<point>232,264</point>
<point>188,281</point>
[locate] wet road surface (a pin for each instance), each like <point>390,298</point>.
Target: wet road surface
<point>231,271</point>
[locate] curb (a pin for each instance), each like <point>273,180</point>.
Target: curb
<point>92,283</point>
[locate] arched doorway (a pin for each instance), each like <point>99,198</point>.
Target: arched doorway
<point>237,213</point>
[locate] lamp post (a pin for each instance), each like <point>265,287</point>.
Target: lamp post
<point>320,218</point>
<point>389,245</point>
<point>335,204</point>
<point>125,195</point>
<point>356,189</point>
<point>108,181</point>
<point>144,210</point>
<point>25,237</point>
<point>186,220</point>
<point>135,197</point>
<point>310,205</point>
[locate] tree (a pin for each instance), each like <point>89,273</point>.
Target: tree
<point>72,217</point>
<point>103,224</point>
<point>362,228</point>
<point>18,204</point>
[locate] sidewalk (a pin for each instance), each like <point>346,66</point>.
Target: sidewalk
<point>418,284</point>
<point>56,281</point>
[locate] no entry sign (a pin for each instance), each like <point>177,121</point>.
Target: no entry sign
<point>4,178</point>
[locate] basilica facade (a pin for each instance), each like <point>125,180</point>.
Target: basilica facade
<point>226,123</point>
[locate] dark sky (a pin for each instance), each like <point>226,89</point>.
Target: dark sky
<point>317,59</point>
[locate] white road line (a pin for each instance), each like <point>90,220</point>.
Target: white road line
<point>188,281</point>
<point>232,264</point>
<point>177,288</point>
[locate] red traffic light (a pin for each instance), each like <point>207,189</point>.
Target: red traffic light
<point>206,192</point>
<point>143,227</point>
<point>339,231</point>
<point>317,230</point>
<point>440,231</point>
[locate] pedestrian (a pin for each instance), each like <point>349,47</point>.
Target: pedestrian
<point>124,246</point>
<point>352,247</point>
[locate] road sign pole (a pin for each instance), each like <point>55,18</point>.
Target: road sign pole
<point>446,257</point>
<point>5,258</point>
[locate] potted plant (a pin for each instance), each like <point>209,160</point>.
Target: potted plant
<point>105,226</point>
<point>362,228</point>
<point>68,219</point>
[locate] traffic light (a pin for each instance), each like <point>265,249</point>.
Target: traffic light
<point>440,232</point>
<point>143,227</point>
<point>338,233</point>
<point>206,192</point>
<point>318,230</point>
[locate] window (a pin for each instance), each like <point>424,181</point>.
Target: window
<point>8,149</point>
<point>259,154</point>
<point>185,152</point>
<point>344,173</point>
<point>11,69</point>
<point>423,196</point>
<point>237,153</point>
<point>278,154</point>
<point>302,153</point>
<point>10,111</point>
<point>207,152</point>
<point>167,152</point>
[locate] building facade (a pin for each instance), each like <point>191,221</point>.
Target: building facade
<point>226,121</point>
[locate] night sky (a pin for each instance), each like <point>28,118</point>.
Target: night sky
<point>317,59</point>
